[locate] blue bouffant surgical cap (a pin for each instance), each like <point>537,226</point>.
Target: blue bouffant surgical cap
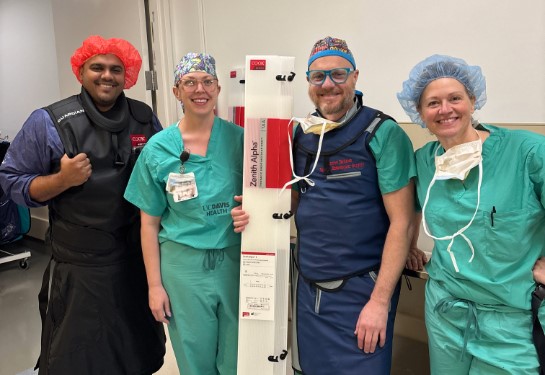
<point>435,67</point>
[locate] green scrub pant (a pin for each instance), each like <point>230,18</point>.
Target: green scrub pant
<point>468,338</point>
<point>202,286</point>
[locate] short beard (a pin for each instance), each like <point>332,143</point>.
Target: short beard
<point>339,109</point>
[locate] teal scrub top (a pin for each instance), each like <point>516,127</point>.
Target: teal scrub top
<point>508,232</point>
<point>394,155</point>
<point>203,222</point>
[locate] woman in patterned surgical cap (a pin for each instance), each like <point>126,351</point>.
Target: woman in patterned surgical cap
<point>184,183</point>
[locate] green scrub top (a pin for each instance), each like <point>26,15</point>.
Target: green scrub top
<point>203,222</point>
<point>508,232</point>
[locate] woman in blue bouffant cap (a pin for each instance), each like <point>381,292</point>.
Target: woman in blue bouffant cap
<point>481,192</point>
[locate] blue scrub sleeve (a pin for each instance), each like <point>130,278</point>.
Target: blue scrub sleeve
<point>157,127</point>
<point>33,150</point>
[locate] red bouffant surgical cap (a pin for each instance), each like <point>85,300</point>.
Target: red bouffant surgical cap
<point>96,45</point>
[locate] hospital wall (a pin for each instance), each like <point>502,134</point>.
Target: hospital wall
<point>387,38</point>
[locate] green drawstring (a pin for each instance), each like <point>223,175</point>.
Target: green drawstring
<point>211,258</point>
<point>447,303</point>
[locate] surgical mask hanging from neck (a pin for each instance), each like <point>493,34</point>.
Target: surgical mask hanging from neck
<point>315,125</point>
<point>319,126</point>
<point>456,163</point>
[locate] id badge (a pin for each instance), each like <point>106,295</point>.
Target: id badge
<point>182,186</point>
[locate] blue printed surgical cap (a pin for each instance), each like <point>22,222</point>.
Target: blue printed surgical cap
<point>194,62</point>
<point>435,67</point>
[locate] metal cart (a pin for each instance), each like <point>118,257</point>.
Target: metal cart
<point>22,257</point>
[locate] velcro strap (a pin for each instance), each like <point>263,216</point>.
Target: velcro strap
<point>81,239</point>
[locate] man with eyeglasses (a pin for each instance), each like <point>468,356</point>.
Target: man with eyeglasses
<point>353,207</point>
<point>354,223</point>
<point>76,156</point>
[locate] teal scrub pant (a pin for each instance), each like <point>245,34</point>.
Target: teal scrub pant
<point>202,286</point>
<point>467,338</point>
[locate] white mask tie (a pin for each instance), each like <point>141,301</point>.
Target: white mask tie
<point>305,178</point>
<point>470,148</point>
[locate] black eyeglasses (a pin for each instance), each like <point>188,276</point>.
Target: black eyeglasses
<point>337,75</point>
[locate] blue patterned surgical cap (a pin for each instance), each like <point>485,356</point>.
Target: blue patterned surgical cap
<point>194,62</point>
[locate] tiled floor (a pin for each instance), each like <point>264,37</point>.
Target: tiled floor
<point>20,322</point>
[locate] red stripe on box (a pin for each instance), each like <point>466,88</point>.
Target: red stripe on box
<point>278,149</point>
<point>239,116</point>
<point>257,253</point>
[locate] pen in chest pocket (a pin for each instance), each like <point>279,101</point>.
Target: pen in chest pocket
<point>492,215</point>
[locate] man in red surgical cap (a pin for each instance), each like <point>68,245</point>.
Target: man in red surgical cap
<point>76,156</point>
